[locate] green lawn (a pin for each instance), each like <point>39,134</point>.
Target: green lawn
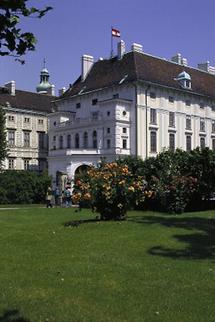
<point>152,267</point>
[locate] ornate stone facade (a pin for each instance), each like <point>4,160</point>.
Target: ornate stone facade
<point>131,104</point>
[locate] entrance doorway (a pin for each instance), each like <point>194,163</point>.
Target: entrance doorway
<point>81,171</point>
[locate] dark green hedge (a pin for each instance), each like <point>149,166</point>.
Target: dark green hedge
<point>19,187</point>
<point>179,180</point>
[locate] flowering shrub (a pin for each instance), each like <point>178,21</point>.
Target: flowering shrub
<point>111,188</point>
<point>176,194</point>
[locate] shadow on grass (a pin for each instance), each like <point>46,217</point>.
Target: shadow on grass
<point>200,241</point>
<point>76,223</point>
<point>12,316</point>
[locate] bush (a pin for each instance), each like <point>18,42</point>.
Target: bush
<point>175,195</point>
<point>180,179</point>
<point>18,187</point>
<point>111,188</point>
<point>201,164</point>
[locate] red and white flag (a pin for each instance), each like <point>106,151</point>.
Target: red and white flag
<point>115,32</point>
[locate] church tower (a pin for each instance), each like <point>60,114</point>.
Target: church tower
<point>45,87</point>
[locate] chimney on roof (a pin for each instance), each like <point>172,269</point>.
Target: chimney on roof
<point>177,58</point>
<point>120,49</point>
<point>206,67</point>
<point>11,86</point>
<point>184,62</point>
<point>87,63</point>
<point>137,47</point>
<point>212,70</point>
<point>61,91</point>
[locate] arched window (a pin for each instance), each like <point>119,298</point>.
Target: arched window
<point>85,140</point>
<point>77,141</point>
<point>94,140</point>
<point>68,141</point>
<point>61,142</point>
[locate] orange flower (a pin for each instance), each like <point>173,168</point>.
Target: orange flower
<point>87,196</point>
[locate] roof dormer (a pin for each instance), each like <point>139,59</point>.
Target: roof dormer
<point>184,79</point>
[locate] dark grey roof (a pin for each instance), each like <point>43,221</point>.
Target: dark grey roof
<point>141,67</point>
<point>26,100</point>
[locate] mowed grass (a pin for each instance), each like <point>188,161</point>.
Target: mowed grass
<point>151,267</point>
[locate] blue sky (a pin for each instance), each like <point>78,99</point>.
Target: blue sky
<point>74,28</point>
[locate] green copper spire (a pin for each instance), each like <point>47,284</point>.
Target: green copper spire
<point>44,85</point>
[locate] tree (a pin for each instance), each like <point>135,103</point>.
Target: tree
<point>3,140</point>
<point>13,41</point>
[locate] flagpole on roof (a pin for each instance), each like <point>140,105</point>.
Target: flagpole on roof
<point>111,52</point>
<point>114,33</point>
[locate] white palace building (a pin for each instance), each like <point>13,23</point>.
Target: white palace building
<point>131,104</point>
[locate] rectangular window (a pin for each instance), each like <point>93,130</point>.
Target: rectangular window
<point>94,101</point>
<point>11,137</point>
<point>202,142</point>
<point>188,102</point>
<point>26,139</point>
<point>152,95</point>
<point>124,144</point>
<point>11,118</point>
<point>188,143</point>
<point>153,141</point>
<point>124,130</point>
<point>153,116</point>
<point>213,127</point>
<point>11,163</point>
<point>213,144</point>
<point>95,116</point>
<point>27,119</point>
<point>108,144</point>
<point>188,122</point>
<point>41,140</point>
<point>202,125</point>
<point>40,121</point>
<point>26,164</point>
<point>171,99</point>
<point>187,84</point>
<point>201,105</point>
<point>171,119</point>
<point>61,142</point>
<point>78,105</point>
<point>116,95</point>
<point>172,142</point>
<point>68,138</point>
<point>108,130</point>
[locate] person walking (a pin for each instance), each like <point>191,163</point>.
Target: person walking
<point>67,197</point>
<point>49,198</point>
<point>57,196</point>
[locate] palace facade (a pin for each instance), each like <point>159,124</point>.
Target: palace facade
<point>131,104</point>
